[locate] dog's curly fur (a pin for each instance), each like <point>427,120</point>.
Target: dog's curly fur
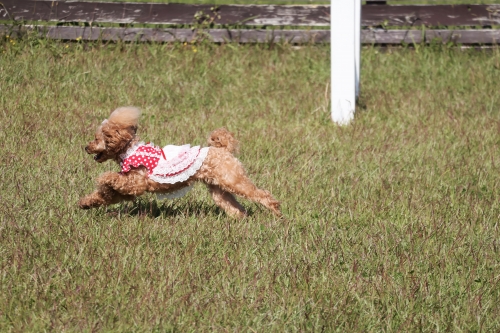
<point>223,173</point>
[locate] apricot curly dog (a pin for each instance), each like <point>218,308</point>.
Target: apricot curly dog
<point>170,171</point>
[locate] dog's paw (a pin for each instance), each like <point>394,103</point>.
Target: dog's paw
<point>85,203</point>
<point>83,206</point>
<point>275,206</point>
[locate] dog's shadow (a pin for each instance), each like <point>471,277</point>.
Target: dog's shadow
<point>167,208</point>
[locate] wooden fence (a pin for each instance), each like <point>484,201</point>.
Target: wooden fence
<point>381,24</point>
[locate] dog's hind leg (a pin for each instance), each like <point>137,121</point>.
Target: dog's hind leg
<point>227,201</point>
<point>222,169</point>
<point>246,189</point>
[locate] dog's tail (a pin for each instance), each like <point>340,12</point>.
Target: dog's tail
<point>222,138</point>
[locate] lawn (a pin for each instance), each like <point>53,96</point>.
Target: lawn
<point>391,222</point>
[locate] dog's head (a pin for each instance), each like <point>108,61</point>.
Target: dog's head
<point>222,138</point>
<point>115,134</point>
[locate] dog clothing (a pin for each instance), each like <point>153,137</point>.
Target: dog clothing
<point>170,165</point>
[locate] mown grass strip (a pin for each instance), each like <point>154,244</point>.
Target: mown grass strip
<point>391,222</point>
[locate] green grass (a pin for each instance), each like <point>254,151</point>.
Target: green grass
<point>391,222</point>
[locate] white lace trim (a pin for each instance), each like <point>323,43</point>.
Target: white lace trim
<point>174,195</point>
<point>131,150</point>
<point>181,162</point>
<point>160,176</point>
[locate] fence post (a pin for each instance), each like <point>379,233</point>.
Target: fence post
<point>345,18</point>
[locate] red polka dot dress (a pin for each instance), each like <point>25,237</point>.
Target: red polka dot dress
<point>144,155</point>
<point>169,165</point>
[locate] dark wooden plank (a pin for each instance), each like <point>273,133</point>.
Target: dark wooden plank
<point>157,13</point>
<point>173,35</point>
<point>379,36</point>
<point>272,15</point>
<point>375,37</point>
<point>431,15</point>
<point>466,37</point>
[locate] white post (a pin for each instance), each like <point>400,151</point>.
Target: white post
<point>345,18</point>
<point>357,42</point>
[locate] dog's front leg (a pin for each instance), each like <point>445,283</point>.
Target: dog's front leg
<point>134,182</point>
<point>114,188</point>
<point>103,196</point>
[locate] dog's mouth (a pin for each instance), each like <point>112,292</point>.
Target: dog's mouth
<point>98,156</point>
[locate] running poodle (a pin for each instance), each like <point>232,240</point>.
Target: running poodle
<point>170,171</point>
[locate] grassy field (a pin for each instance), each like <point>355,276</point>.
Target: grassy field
<point>391,222</point>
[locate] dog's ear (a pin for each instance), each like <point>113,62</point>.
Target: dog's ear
<point>125,116</point>
<point>117,137</point>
